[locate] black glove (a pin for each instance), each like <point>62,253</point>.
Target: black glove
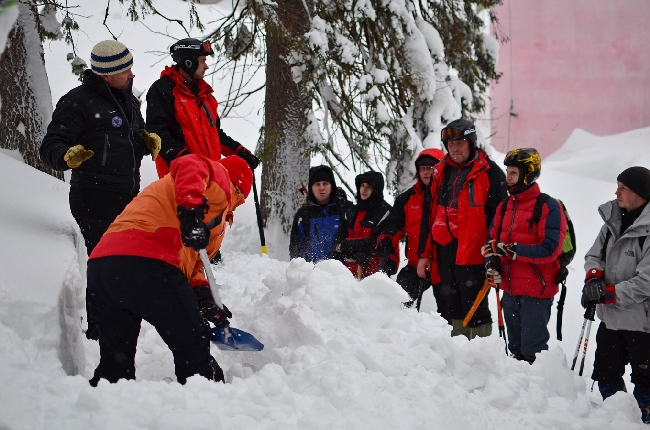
<point>593,292</point>
<point>390,268</point>
<point>363,258</point>
<point>194,232</point>
<point>384,246</point>
<point>350,247</point>
<point>248,157</point>
<point>561,275</point>
<point>209,309</point>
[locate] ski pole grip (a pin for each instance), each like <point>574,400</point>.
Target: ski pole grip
<point>590,311</point>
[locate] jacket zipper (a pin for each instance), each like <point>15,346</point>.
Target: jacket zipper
<point>128,135</point>
<point>106,146</point>
<point>512,224</point>
<point>539,275</point>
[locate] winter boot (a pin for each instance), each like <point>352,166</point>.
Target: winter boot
<point>642,396</point>
<point>608,389</point>
<point>470,333</point>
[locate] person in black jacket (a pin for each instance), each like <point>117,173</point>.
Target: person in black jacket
<point>319,224</point>
<point>363,220</point>
<point>97,130</point>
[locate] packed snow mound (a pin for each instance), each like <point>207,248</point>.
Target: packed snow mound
<point>601,157</point>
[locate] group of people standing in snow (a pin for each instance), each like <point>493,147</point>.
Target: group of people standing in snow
<point>143,246</point>
<point>465,223</point>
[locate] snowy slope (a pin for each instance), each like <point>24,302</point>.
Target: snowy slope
<point>339,353</point>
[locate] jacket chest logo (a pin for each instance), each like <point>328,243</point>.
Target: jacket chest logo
<point>629,253</point>
<point>116,121</point>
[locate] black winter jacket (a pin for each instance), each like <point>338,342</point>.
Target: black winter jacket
<point>93,115</point>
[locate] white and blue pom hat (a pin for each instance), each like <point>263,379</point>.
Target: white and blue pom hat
<point>110,57</point>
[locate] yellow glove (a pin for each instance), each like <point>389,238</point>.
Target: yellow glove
<point>77,155</point>
<point>152,140</point>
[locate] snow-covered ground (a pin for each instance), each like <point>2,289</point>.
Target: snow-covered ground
<point>339,353</point>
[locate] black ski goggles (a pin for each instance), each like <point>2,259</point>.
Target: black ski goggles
<point>451,134</point>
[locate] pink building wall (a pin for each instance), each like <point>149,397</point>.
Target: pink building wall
<point>575,64</point>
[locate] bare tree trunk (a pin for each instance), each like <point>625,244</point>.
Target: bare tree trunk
<point>286,165</point>
<point>24,90</point>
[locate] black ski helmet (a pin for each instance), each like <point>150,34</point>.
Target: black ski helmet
<point>529,163</point>
<point>186,52</point>
<point>457,130</point>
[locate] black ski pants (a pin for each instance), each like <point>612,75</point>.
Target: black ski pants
<point>95,210</point>
<point>615,349</point>
<point>459,286</point>
<point>125,290</point>
<point>411,283</point>
<point>526,320</point>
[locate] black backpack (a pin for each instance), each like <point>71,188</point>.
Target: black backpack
<point>568,248</point>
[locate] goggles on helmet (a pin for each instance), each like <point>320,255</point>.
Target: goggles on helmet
<point>455,134</point>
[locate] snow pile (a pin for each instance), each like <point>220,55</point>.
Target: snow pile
<point>339,353</point>
<point>602,157</point>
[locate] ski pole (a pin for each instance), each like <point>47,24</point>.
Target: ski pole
<point>589,317</point>
<point>479,298</point>
<point>502,328</point>
<point>589,313</point>
<point>260,225</point>
<point>421,292</point>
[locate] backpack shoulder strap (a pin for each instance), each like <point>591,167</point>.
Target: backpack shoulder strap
<point>504,209</point>
<point>537,211</point>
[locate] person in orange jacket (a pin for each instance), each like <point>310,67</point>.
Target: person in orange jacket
<point>146,266</point>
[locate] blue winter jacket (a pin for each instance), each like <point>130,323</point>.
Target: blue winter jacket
<point>316,230</point>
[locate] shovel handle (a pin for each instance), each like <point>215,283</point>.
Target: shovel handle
<point>207,268</point>
<point>479,298</point>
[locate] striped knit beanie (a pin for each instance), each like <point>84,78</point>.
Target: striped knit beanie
<point>110,57</point>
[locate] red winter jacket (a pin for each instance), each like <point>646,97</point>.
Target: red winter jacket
<point>406,218</point>
<point>464,200</point>
<point>535,270</point>
<point>186,119</point>
<point>359,231</point>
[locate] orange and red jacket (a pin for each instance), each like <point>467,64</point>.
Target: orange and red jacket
<point>534,272</point>
<point>148,226</point>
<point>463,204</point>
<point>184,115</point>
<point>358,231</point>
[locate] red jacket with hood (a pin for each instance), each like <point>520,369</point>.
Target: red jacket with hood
<point>405,220</point>
<point>184,115</point>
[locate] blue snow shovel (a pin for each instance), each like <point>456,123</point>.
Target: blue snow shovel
<point>227,338</point>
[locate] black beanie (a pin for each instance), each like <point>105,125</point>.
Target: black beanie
<point>425,160</point>
<point>637,179</point>
<point>321,175</point>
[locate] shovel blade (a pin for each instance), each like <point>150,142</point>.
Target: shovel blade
<point>232,339</point>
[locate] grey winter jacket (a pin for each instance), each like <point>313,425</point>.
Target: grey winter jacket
<point>627,266</point>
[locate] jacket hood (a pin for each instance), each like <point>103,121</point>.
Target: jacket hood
<point>610,212</point>
<point>435,153</point>
<point>172,73</point>
<point>376,180</point>
<point>325,173</point>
